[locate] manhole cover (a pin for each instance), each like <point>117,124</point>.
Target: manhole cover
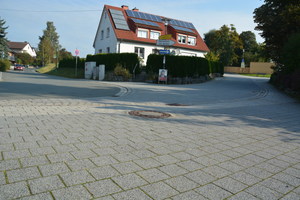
<point>176,104</point>
<point>149,114</point>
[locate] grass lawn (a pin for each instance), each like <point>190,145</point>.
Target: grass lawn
<point>258,75</point>
<point>64,72</point>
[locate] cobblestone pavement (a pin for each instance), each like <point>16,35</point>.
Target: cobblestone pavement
<point>231,138</point>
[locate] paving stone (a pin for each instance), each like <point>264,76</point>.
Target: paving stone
<point>200,177</point>
<point>74,192</point>
<point>147,163</point>
<point>44,196</point>
<point>173,170</point>
<point>245,178</point>
<point>103,188</point>
<point>2,179</point>
<point>23,174</point>
<point>78,177</point>
<point>45,184</point>
<point>159,190</point>
<point>190,165</point>
<point>53,169</point>
<point>16,154</point>
<point>135,194</point>
<point>181,183</point>
<point>212,191</point>
<point>230,185</point>
<point>278,186</point>
<point>9,164</point>
<point>243,196</point>
<point>61,157</point>
<point>286,178</point>
<point>104,172</point>
<point>129,181</point>
<point>216,171</point>
<point>153,175</point>
<point>230,166</point>
<point>76,165</point>
<point>14,190</point>
<point>292,172</point>
<point>127,167</point>
<point>125,157</point>
<point>260,173</point>
<point>34,161</point>
<point>263,192</point>
<point>105,151</point>
<point>191,195</point>
<point>42,151</point>
<point>166,159</point>
<point>291,196</point>
<point>206,161</point>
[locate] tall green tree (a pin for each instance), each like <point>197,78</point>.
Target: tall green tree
<point>49,45</point>
<point>249,41</point>
<point>278,20</point>
<point>226,44</point>
<point>3,40</point>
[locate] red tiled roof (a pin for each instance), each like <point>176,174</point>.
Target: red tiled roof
<point>132,35</point>
<point>16,45</point>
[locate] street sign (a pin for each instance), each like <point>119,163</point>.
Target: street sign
<point>164,51</point>
<point>165,42</point>
<point>165,37</point>
<point>76,52</point>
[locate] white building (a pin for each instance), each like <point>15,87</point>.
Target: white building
<point>21,47</point>
<point>122,30</point>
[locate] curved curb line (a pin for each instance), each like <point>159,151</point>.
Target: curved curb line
<point>124,91</point>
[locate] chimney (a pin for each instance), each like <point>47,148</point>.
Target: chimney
<point>135,9</point>
<point>125,7</point>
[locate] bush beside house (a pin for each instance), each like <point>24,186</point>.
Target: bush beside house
<point>4,65</point>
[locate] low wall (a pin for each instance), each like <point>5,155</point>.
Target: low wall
<point>261,68</point>
<point>255,68</point>
<point>237,70</point>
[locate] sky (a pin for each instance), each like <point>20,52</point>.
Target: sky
<point>76,21</point>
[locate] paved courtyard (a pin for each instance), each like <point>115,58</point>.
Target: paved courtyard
<point>230,138</point>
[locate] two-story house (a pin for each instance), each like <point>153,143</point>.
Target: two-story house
<point>123,30</point>
<point>21,47</point>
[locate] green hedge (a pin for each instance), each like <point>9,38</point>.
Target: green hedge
<point>4,65</point>
<point>183,66</point>
<point>126,60</point>
<point>71,63</point>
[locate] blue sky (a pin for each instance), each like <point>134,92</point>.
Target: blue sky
<point>76,21</point>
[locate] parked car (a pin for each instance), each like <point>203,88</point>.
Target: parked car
<point>19,67</point>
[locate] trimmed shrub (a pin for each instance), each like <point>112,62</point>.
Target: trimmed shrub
<point>71,63</point>
<point>4,65</point>
<point>120,71</point>
<point>127,60</point>
<point>183,66</point>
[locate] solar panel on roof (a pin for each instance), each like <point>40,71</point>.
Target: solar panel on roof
<point>119,19</point>
<point>182,23</point>
<point>139,21</point>
<point>141,15</point>
<point>182,29</point>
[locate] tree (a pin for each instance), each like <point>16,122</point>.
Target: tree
<point>278,20</point>
<point>64,54</point>
<point>249,41</point>
<point>49,44</point>
<point>226,44</point>
<point>24,58</point>
<point>3,40</point>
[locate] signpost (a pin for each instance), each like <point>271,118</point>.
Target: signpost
<point>165,42</point>
<point>76,53</point>
<point>164,51</point>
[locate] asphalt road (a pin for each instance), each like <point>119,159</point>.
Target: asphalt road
<point>29,84</point>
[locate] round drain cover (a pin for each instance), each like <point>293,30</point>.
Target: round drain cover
<point>176,104</point>
<point>149,114</point>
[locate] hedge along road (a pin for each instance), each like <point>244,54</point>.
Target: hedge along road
<point>31,85</point>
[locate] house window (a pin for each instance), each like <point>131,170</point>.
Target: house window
<point>154,35</point>
<point>105,15</point>
<point>102,35</point>
<point>108,50</point>
<point>107,33</point>
<point>192,41</point>
<point>182,39</point>
<point>140,51</point>
<point>100,51</point>
<point>142,33</point>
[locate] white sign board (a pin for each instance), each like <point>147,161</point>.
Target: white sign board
<point>162,75</point>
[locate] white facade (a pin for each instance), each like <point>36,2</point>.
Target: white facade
<point>105,40</point>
